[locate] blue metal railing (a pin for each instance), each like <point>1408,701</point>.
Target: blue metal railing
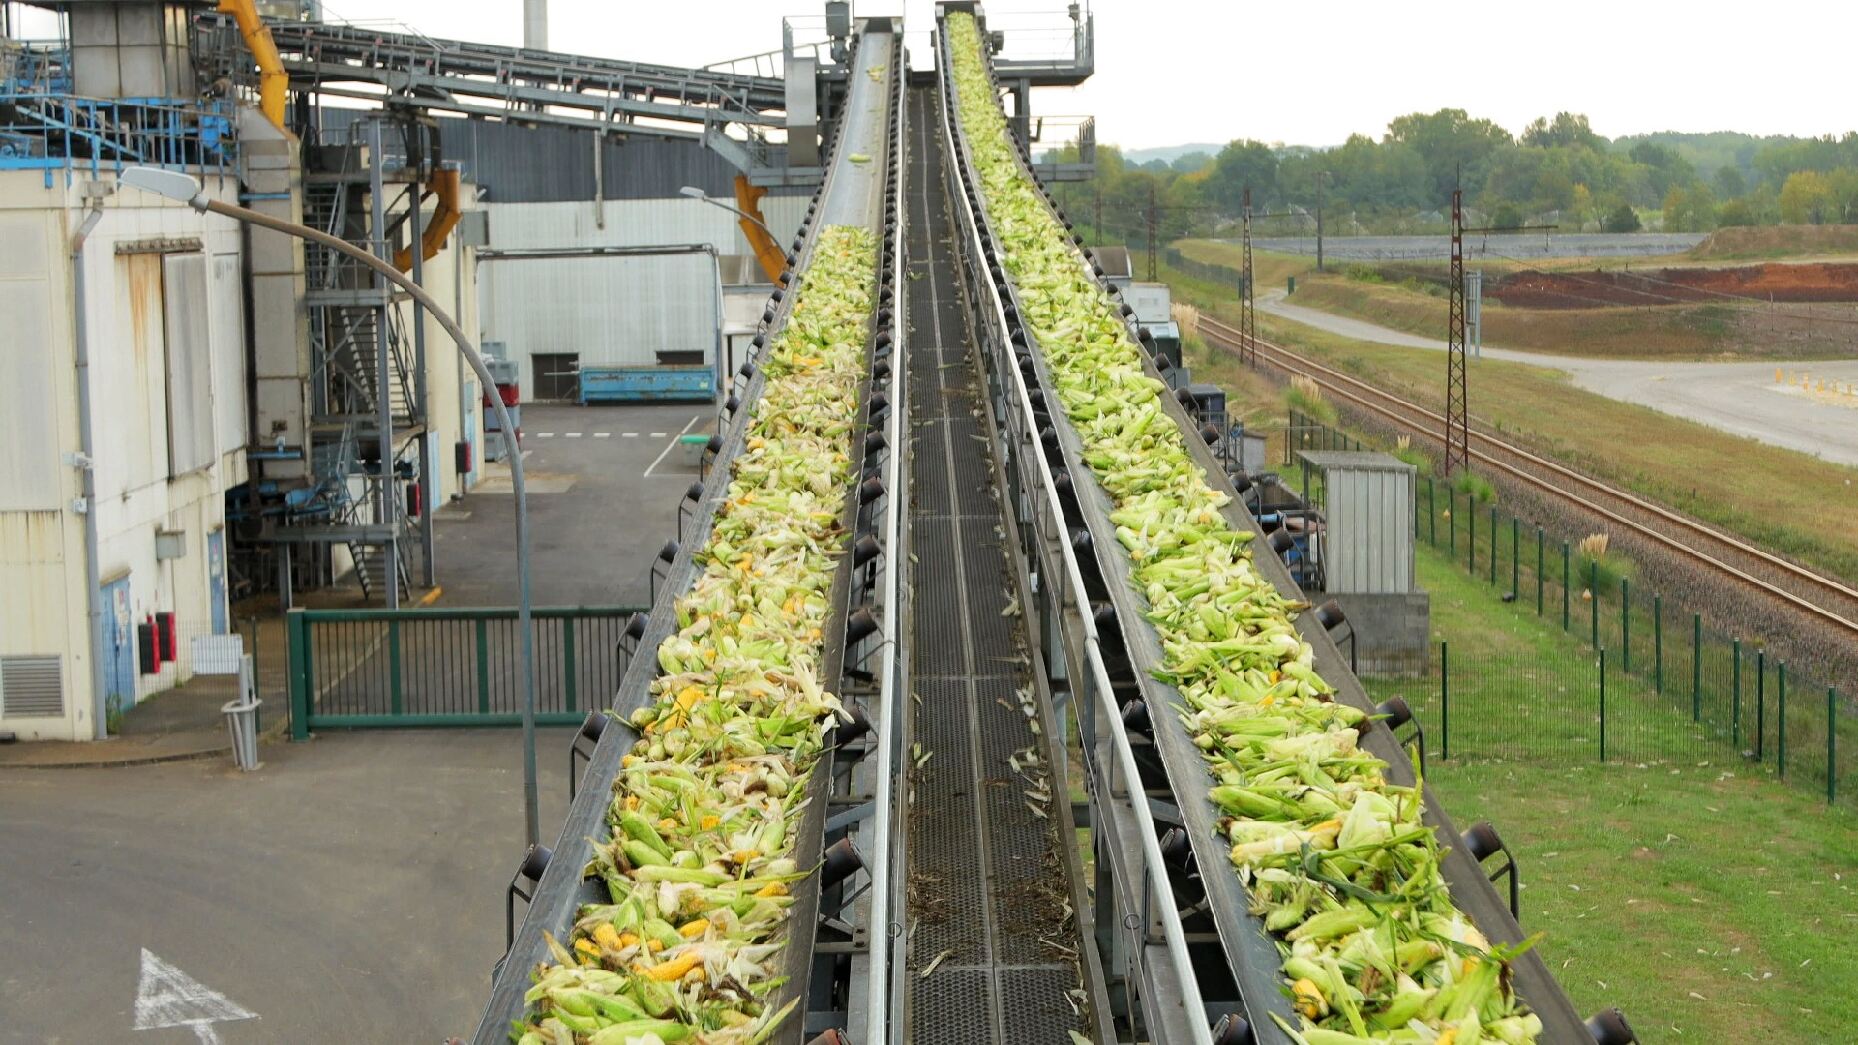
<point>50,131</point>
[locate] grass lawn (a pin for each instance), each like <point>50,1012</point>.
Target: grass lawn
<point>1706,899</point>
<point>1709,901</point>
<point>1788,502</point>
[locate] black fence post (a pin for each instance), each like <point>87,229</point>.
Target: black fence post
<point>1539,536</point>
<point>1495,548</point>
<point>1735,702</point>
<point>1625,624</point>
<point>1593,599</point>
<point>1565,595</point>
<point>1780,718</point>
<point>1445,698</point>
<point>1432,513</point>
<point>1658,644</point>
<point>1516,555</point>
<point>1761,705</point>
<point>1451,516</point>
<point>1603,704</point>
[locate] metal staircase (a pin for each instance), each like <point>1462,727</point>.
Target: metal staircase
<point>359,188</point>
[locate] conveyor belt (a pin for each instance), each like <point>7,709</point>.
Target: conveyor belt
<point>561,891</point>
<point>993,952</point>
<point>1250,955</point>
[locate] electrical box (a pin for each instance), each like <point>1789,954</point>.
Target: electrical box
<point>170,544</point>
<point>838,19</point>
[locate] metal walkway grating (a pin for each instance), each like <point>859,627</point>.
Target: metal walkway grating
<point>988,897</point>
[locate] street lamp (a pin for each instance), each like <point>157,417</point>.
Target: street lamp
<point>698,194</point>
<point>178,185</point>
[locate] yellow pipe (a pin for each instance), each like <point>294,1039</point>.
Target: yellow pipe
<point>445,183</point>
<point>273,81</point>
<point>748,201</point>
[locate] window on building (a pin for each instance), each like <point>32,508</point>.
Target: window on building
<point>189,362</point>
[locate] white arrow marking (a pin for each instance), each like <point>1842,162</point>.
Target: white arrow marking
<point>168,997</point>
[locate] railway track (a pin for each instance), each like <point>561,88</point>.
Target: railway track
<point>1824,599</point>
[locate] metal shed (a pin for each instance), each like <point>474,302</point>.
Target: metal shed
<point>1367,498</point>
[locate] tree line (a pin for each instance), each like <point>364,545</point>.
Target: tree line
<point>1558,171</point>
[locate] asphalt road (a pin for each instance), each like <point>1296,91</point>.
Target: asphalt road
<point>1742,398</point>
<point>351,890</point>
<point>604,485</point>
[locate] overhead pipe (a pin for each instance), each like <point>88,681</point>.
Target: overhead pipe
<point>273,81</point>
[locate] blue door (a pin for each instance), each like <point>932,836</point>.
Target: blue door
<point>118,646</point>
<point>216,579</point>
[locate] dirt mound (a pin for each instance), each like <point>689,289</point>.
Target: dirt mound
<point>1745,241</point>
<point>1814,281</point>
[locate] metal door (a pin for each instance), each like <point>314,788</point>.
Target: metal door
<point>557,376</point>
<point>118,645</point>
<point>216,580</point>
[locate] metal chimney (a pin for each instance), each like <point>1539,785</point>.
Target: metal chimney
<point>535,25</point>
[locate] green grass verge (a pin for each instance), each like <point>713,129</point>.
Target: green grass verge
<point>1706,899</point>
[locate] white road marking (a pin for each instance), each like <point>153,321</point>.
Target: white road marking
<point>574,435</point>
<point>667,447</point>
<point>167,997</point>
<point>630,435</point>
<point>602,435</point>
<point>545,435</point>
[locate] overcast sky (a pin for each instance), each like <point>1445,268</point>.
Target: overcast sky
<point>1295,71</point>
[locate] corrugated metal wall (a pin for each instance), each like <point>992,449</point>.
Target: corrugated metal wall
<point>1370,535</point>
<point>516,164</point>
<point>610,310</point>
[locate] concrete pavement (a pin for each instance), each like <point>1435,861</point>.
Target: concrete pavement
<point>350,891</point>
<point>1741,398</point>
<point>604,486</point>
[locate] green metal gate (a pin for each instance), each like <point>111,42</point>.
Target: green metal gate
<point>360,669</point>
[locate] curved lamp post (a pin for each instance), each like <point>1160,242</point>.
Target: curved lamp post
<point>178,185</point>
<point>698,194</point>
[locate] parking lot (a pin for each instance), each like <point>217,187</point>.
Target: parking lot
<point>353,888</point>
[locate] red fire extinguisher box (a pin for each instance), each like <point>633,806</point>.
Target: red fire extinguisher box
<point>148,649</point>
<point>164,626</point>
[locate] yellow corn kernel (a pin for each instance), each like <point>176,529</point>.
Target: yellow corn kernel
<point>742,856</point>
<point>628,940</point>
<point>1450,1035</point>
<point>692,929</point>
<point>688,697</point>
<point>630,760</point>
<point>654,945</point>
<point>667,824</point>
<point>772,889</point>
<point>1309,999</point>
<point>607,936</point>
<point>679,965</point>
<point>632,802</point>
<point>587,947</point>
<point>710,822</point>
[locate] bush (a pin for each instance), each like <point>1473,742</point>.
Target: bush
<point>1361,273</point>
<point>1306,397</point>
<point>1476,487</point>
<point>1623,219</point>
<point>1596,570</point>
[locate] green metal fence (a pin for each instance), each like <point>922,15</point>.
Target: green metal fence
<point>355,669</point>
<point>1659,683</point>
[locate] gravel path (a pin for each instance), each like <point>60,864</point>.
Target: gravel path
<point>1741,398</point>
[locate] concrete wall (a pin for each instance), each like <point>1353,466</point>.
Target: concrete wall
<point>610,310</point>
<point>1392,632</point>
<point>451,277</point>
<point>144,313</point>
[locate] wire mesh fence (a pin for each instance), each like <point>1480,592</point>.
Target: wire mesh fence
<point>1633,674</point>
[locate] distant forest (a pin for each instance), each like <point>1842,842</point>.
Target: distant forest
<point>1557,172</point>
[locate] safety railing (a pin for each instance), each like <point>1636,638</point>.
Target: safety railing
<point>97,136</point>
<point>360,669</point>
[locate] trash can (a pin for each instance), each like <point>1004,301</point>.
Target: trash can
<point>242,723</point>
